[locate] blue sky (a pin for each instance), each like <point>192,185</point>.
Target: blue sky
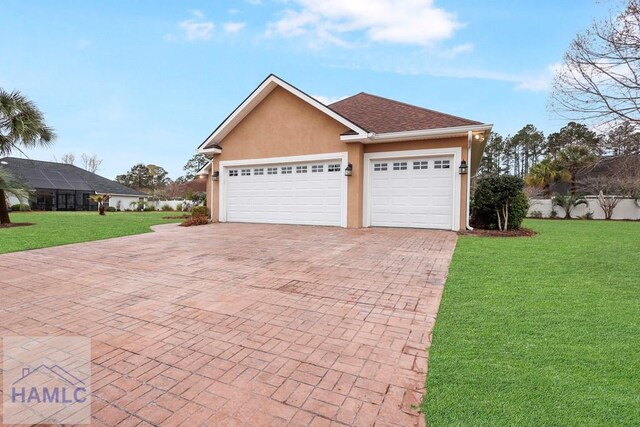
<point>147,81</point>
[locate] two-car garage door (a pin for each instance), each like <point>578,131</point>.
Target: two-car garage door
<point>286,193</point>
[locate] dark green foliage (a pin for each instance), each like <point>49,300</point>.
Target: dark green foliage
<point>200,211</point>
<point>166,208</point>
<point>493,195</point>
<point>111,209</point>
<point>20,207</point>
<point>149,208</point>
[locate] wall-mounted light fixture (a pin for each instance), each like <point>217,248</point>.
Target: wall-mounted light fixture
<point>215,176</point>
<point>463,167</point>
<point>348,171</point>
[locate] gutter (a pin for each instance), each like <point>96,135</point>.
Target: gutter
<point>469,144</point>
<point>415,134</point>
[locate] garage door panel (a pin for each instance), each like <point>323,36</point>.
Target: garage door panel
<point>421,197</point>
<point>298,197</point>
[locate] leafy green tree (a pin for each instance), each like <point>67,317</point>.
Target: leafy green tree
<point>11,185</point>
<point>623,140</point>
<point>145,177</point>
<point>574,135</point>
<point>493,155</point>
<point>195,163</point>
<point>531,145</point>
<point>22,125</point>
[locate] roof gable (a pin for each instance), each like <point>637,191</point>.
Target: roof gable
<point>381,115</point>
<point>257,96</point>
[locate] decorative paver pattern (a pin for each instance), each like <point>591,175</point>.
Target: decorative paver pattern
<point>241,324</point>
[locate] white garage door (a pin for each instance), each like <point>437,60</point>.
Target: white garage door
<point>415,192</point>
<point>291,193</point>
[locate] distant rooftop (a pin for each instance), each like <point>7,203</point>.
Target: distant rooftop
<point>60,176</point>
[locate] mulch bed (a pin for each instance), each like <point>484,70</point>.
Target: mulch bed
<point>521,232</point>
<point>176,217</point>
<point>16,224</point>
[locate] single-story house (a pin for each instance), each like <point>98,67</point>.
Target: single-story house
<point>64,187</point>
<point>284,157</point>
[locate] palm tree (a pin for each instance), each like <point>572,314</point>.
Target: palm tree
<point>568,202</point>
<point>11,185</point>
<point>543,174</point>
<point>100,199</point>
<point>22,125</point>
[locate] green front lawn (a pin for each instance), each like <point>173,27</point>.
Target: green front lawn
<point>541,331</point>
<point>60,228</point>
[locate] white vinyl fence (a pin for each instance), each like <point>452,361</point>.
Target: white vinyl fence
<point>626,209</point>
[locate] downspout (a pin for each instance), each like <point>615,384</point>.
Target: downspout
<point>469,143</point>
<point>211,183</point>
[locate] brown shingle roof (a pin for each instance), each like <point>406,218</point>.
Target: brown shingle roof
<point>381,115</point>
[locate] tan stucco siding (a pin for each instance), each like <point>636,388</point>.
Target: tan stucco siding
<point>283,125</point>
<point>461,142</point>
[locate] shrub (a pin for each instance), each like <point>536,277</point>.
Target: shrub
<point>588,215</point>
<point>166,208</point>
<point>179,207</point>
<point>535,214</point>
<point>149,208</point>
<point>196,220</point>
<point>21,207</point>
<point>200,211</point>
<point>111,209</point>
<point>553,214</point>
<point>500,202</point>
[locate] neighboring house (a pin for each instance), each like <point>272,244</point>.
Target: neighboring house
<point>284,157</point>
<point>63,187</point>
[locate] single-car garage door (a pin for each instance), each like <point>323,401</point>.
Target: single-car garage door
<point>413,192</point>
<point>289,193</point>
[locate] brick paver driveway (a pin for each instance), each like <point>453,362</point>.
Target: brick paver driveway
<point>241,324</point>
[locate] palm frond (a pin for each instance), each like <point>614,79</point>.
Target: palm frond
<point>14,186</point>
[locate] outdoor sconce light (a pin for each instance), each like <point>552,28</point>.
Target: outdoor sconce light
<point>215,175</point>
<point>463,167</point>
<point>348,170</point>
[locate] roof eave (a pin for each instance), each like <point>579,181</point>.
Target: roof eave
<point>448,132</point>
<point>259,94</point>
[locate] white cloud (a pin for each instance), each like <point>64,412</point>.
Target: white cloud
<point>233,27</point>
<point>457,50</point>
<point>198,28</point>
<point>540,82</point>
<point>410,22</point>
<point>326,100</point>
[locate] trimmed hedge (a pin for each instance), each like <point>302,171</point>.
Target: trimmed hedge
<point>491,195</point>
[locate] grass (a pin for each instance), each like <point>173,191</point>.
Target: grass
<point>540,331</point>
<point>61,228</point>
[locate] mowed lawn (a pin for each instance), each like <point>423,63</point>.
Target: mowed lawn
<point>60,228</point>
<point>541,331</point>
